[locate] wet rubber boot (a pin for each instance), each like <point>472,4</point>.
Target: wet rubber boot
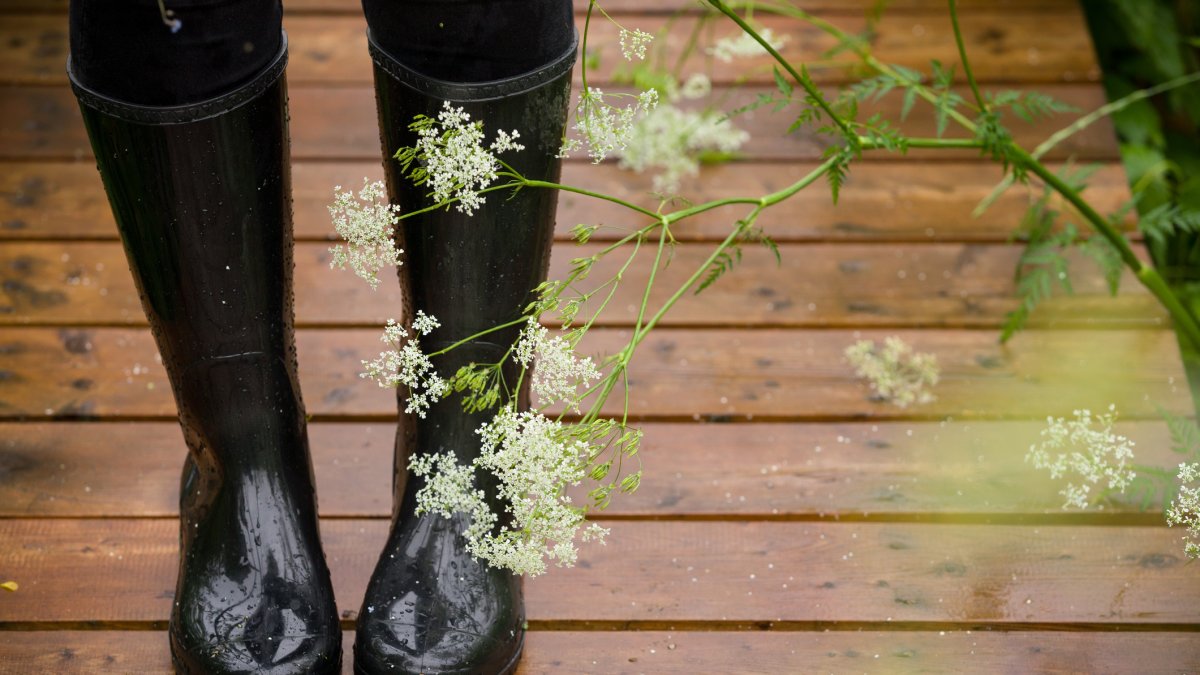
<point>431,607</point>
<point>201,196</point>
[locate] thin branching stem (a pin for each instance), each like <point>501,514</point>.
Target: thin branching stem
<point>962,55</point>
<point>804,82</point>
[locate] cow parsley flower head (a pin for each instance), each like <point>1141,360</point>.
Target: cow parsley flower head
<point>696,86</point>
<point>557,371</point>
<point>452,159</point>
<point>604,128</point>
<point>633,43</point>
<point>896,373</point>
<point>1087,447</point>
<point>744,45</point>
<point>671,141</point>
<point>406,365</point>
<point>367,223</point>
<point>535,460</point>
<point>1185,508</point>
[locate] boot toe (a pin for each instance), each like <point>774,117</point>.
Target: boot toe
<point>387,645</point>
<point>285,654</point>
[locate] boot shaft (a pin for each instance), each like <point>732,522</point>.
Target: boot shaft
<point>201,197</point>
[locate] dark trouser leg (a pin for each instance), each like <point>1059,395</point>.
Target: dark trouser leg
<point>430,607</point>
<point>200,189</point>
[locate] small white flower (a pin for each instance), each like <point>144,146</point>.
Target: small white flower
<point>603,127</point>
<point>367,223</point>
<point>727,49</point>
<point>455,163</point>
<point>425,324</point>
<point>535,460</point>
<point>696,86</point>
<point>1185,508</point>
<point>895,372</point>
<point>406,365</point>
<point>557,373</point>
<point>1085,446</point>
<point>671,141</point>
<point>633,44</point>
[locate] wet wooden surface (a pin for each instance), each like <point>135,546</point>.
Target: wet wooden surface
<point>787,522</point>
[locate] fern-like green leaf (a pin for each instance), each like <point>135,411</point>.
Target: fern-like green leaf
<point>1185,435</point>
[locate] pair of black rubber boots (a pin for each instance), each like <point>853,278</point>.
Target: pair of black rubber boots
<point>201,196</point>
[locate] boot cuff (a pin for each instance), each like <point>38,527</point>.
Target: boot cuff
<point>182,114</point>
<point>474,91</point>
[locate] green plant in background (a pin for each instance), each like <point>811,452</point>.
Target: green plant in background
<point>1143,44</point>
<point>539,454</point>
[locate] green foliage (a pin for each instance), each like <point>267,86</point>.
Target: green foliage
<point>1155,486</point>
<point>724,262</point>
<point>728,258</point>
<point>1185,435</point>
<point>947,99</point>
<point>1028,105</point>
<point>480,384</point>
<point>1043,264</point>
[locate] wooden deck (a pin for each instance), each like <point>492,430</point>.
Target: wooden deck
<point>786,524</point>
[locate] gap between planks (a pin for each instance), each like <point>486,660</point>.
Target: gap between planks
<point>898,471</point>
<point>882,202</point>
<point>957,650</point>
<point>1007,49</point>
<point>714,374</point>
<point>655,572</point>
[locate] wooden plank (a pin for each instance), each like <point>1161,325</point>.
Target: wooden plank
<point>629,652</point>
<point>57,200</point>
<point>1004,46</point>
<point>340,123</point>
<point>657,573</point>
<point>851,285</point>
<point>936,471</point>
<point>695,374</point>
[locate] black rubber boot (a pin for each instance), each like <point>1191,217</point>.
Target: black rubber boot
<point>430,606</point>
<point>201,195</point>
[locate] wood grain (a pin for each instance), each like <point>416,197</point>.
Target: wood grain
<point>65,200</point>
<point>1026,48</point>
<point>947,285</point>
<point>694,374</point>
<point>630,652</point>
<point>906,470</point>
<point>339,123</point>
<point>658,572</point>
<point>841,7</point>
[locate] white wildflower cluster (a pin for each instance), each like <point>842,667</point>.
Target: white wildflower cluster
<point>744,45</point>
<point>1085,446</point>
<point>558,373</point>
<point>406,365</point>
<point>367,223</point>
<point>671,141</point>
<point>455,162</point>
<point>605,128</point>
<point>895,372</point>
<point>633,44</point>
<point>535,460</point>
<point>1185,509</point>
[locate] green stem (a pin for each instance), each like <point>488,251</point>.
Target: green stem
<point>804,82</point>
<point>587,22</point>
<point>528,182</point>
<point>478,335</point>
<point>764,202</point>
<point>1185,323</point>
<point>939,143</point>
<point>1082,123</point>
<point>962,55</point>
